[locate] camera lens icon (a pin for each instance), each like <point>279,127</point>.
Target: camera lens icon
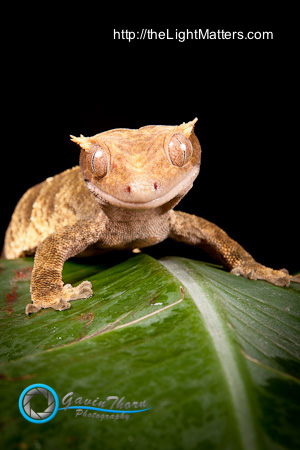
<point>30,394</point>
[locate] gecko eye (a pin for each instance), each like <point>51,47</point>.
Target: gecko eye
<point>180,150</point>
<point>98,160</point>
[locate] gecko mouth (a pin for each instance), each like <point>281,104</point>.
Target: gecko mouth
<point>179,190</point>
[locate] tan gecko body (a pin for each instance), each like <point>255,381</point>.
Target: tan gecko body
<point>120,197</point>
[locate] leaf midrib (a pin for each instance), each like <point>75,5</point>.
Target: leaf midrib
<point>225,353</point>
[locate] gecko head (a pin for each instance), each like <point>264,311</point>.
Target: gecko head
<point>140,169</point>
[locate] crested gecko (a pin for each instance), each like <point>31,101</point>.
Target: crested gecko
<point>121,196</point>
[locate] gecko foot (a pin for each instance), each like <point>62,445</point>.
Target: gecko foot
<point>255,271</point>
<point>62,300</point>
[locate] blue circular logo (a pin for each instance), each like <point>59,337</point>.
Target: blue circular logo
<point>32,391</point>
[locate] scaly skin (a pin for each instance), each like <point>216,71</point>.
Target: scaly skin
<point>121,197</point>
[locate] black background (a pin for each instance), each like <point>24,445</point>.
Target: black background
<point>67,75</point>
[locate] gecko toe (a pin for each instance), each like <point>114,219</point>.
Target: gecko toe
<point>295,278</point>
<point>61,305</point>
<point>31,308</point>
<point>83,290</point>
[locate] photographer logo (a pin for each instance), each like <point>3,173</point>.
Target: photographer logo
<point>39,403</point>
<point>29,395</point>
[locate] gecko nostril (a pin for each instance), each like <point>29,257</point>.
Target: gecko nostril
<point>128,189</point>
<point>155,185</point>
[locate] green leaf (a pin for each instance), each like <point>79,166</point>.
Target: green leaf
<point>215,357</point>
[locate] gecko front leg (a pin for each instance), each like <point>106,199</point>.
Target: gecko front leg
<point>47,288</point>
<point>196,231</point>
